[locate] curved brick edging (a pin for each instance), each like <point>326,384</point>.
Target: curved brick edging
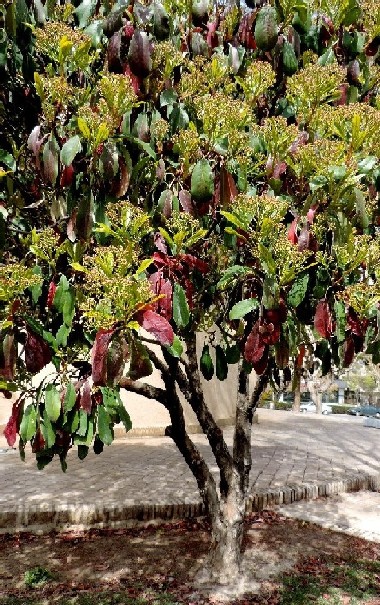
<point>45,518</point>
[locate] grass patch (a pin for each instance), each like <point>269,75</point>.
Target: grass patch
<point>319,583</point>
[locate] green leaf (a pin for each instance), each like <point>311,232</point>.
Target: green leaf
<point>36,290</point>
<point>70,398</point>
<point>140,365</point>
<point>168,97</point>
<point>181,312</point>
<point>268,263</point>
<point>221,365</point>
<point>144,265</point>
<point>176,349</point>
<point>83,423</point>
<point>70,149</point>
<point>28,423</point>
<point>8,386</point>
<point>84,12</point>
<point>83,127</point>
<point>52,402</point>
<point>68,309</point>
<point>232,354</point>
<point>206,364</point>
<point>230,275</point>
<point>48,431</point>
<point>62,335</point>
<point>243,307</point>
<point>202,181</point>
<point>298,290</point>
<point>125,418</point>
<point>104,429</point>
<point>366,165</point>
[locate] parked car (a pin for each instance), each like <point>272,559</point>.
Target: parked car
<point>365,410</point>
<point>311,407</point>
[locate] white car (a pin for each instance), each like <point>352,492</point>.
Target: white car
<point>311,407</point>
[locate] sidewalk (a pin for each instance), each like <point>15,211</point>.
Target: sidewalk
<point>295,457</point>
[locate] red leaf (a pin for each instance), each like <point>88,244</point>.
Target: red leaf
<point>323,319</point>
<point>13,424</point>
<point>162,286</point>
<point>37,353</point>
<point>300,356</point>
<point>270,332</point>
<point>121,186</point>
<point>85,401</point>
<point>117,355</point>
<point>212,36</point>
<point>358,326</point>
<point>99,356</point>
<point>348,351</point>
<point>38,442</point>
<point>228,189</point>
<point>67,176</point>
<point>311,214</point>
<point>51,294</point>
<point>186,201</point>
<point>194,263</point>
<point>261,365</point>
<point>159,242</point>
<point>292,233</point>
<point>158,326</point>
<point>304,239</point>
<point>254,347</point>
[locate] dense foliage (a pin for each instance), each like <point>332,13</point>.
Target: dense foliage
<point>181,167</point>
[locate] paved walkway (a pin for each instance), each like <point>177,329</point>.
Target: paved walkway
<point>295,456</point>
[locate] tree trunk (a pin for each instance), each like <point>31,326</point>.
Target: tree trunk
<point>222,565</point>
<point>297,390</point>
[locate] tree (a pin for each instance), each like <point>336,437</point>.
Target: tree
<point>170,169</point>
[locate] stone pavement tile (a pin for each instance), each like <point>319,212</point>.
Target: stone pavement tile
<point>136,472</point>
<point>355,513</point>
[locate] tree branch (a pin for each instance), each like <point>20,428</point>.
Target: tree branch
<point>144,389</point>
<point>194,459</point>
<point>208,424</point>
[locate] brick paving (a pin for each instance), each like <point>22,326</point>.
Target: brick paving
<point>295,457</point>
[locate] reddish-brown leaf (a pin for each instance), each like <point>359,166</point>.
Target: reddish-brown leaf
<point>358,326</point>
<point>304,239</point>
<point>323,319</point>
<point>158,326</point>
<point>282,354</point>
<point>37,352</point>
<point>51,294</point>
<point>212,36</point>
<point>67,176</point>
<point>186,201</point>
<point>99,356</point>
<point>300,356</point>
<point>194,263</point>
<point>228,189</point>
<point>292,233</point>
<point>269,332</point>
<point>124,178</point>
<point>254,347</point>
<point>85,401</point>
<point>162,287</point>
<point>13,424</point>
<point>348,351</point>
<point>117,355</point>
<point>261,365</point>
<point>38,442</point>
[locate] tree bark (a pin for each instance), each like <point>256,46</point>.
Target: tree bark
<point>226,509</point>
<point>297,389</point>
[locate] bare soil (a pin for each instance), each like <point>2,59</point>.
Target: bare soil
<point>165,558</point>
